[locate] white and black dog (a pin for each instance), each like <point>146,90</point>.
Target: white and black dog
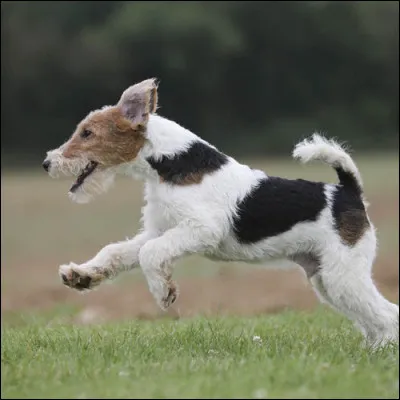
<point>199,200</point>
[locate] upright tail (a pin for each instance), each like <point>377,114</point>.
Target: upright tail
<point>331,153</point>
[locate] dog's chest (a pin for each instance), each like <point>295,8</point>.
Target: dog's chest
<point>164,210</point>
<point>166,215</point>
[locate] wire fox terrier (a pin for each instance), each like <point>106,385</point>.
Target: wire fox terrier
<point>199,200</point>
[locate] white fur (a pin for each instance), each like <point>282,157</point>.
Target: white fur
<point>98,182</point>
<point>181,220</point>
<point>327,151</point>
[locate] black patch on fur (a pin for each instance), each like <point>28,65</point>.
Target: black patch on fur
<point>350,217</point>
<point>189,166</point>
<point>348,180</point>
<point>275,206</point>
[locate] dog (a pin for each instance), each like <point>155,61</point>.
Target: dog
<point>200,200</point>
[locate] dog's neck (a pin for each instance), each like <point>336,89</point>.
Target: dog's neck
<point>165,138</point>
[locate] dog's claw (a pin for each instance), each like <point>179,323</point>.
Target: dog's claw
<point>170,298</point>
<point>172,295</point>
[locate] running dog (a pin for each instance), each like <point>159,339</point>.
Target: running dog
<point>200,200</point>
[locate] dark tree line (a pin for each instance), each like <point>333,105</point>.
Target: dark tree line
<point>249,76</point>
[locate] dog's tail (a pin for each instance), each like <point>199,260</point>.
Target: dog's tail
<point>333,154</point>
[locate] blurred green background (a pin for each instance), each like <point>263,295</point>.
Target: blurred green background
<point>250,76</point>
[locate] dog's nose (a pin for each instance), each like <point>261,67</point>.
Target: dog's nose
<point>46,165</point>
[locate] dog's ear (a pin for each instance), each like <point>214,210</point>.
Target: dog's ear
<point>139,101</point>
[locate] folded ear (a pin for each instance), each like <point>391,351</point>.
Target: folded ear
<point>139,101</point>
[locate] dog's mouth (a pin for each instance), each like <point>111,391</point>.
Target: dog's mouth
<point>87,171</point>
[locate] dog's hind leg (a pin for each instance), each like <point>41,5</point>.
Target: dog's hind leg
<point>349,289</point>
<point>107,264</point>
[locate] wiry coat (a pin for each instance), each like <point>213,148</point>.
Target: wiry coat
<point>199,200</point>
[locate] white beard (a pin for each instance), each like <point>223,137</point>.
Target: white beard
<point>96,183</point>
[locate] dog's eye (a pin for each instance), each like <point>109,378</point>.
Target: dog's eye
<point>85,134</point>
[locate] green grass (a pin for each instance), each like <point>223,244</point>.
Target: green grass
<point>316,355</point>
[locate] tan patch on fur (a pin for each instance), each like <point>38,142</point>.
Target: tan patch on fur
<point>352,225</point>
<point>191,179</point>
<point>114,139</point>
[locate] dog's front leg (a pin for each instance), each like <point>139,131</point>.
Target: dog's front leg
<point>157,255</point>
<point>107,264</point>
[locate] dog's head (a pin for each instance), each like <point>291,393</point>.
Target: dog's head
<point>104,140</point>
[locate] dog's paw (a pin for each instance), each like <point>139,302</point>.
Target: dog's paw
<point>171,296</point>
<point>80,279</point>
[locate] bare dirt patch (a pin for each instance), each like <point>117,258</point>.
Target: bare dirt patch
<point>252,293</point>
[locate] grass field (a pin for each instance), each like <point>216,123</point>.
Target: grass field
<point>291,355</point>
<point>115,343</point>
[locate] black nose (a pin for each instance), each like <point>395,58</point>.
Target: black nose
<point>46,165</point>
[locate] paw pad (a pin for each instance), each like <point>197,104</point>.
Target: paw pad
<point>77,280</point>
